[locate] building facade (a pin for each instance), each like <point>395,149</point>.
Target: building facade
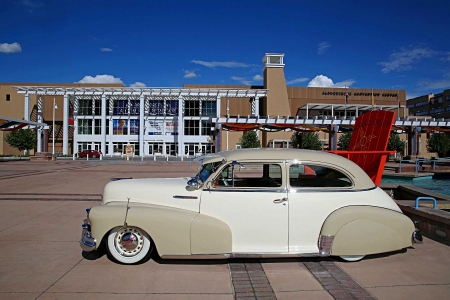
<point>180,121</point>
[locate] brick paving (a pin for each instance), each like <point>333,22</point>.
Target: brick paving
<point>249,281</point>
<point>335,281</point>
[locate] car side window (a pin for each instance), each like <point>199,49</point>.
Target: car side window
<point>316,176</point>
<point>249,175</point>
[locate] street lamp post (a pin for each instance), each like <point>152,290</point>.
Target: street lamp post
<point>53,128</point>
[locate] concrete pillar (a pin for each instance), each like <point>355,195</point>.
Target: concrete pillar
<point>26,109</point>
<point>103,124</point>
<point>180,126</point>
<point>66,125</point>
<point>141,126</point>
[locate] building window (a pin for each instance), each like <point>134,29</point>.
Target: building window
<point>206,127</point>
<point>120,127</point>
<point>238,146</point>
<point>134,127</point>
<point>191,127</point>
<point>85,107</point>
<point>120,107</point>
<point>84,126</point>
<point>192,108</point>
<point>97,126</point>
<point>134,107</point>
<point>97,107</point>
<point>171,107</point>
<point>156,107</point>
<point>8,97</point>
<point>209,108</point>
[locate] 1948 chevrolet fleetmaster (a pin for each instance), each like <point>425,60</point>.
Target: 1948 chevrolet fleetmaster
<point>258,202</point>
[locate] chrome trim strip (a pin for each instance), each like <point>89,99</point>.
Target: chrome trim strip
<point>316,190</point>
<point>325,243</point>
<point>245,191</point>
<point>197,256</point>
<point>240,255</point>
<point>185,197</point>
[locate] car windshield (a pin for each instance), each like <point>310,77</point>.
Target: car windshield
<point>208,169</point>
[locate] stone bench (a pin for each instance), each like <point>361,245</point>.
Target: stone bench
<point>42,156</point>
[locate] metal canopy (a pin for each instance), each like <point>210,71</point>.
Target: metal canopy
<point>325,120</point>
<point>8,124</point>
<point>348,107</point>
<point>234,93</point>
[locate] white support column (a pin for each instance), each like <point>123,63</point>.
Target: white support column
<point>180,127</point>
<point>356,112</point>
<point>26,108</point>
<point>218,107</point>
<point>141,126</point>
<point>39,130</point>
<point>103,124</point>
<point>66,125</point>
<point>255,106</point>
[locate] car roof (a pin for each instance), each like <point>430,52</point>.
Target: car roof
<point>302,155</point>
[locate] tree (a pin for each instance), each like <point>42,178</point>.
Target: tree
<point>344,140</point>
<point>395,143</point>
<point>310,140</point>
<point>295,139</point>
<point>440,143</point>
<point>249,140</point>
<point>22,139</point>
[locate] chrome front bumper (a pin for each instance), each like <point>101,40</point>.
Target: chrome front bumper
<point>87,242</point>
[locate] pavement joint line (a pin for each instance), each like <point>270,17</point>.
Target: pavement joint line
<point>338,283</point>
<point>59,278</point>
<point>397,285</point>
<point>249,280</point>
<point>44,172</point>
<point>34,217</point>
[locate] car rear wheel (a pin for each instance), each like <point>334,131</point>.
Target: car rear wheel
<point>129,244</point>
<point>352,257</point>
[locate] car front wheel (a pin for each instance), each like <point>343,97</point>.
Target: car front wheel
<point>129,244</point>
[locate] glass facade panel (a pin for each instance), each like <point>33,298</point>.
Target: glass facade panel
<point>84,126</point>
<point>120,107</point>
<point>85,107</point>
<point>206,127</point>
<point>171,107</point>
<point>209,108</point>
<point>120,127</point>
<point>97,126</point>
<point>156,107</point>
<point>98,107</point>
<point>191,127</point>
<point>192,108</point>
<point>134,127</point>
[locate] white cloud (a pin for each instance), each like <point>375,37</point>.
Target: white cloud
<point>138,84</point>
<point>403,59</point>
<point>297,80</point>
<point>258,78</point>
<point>427,84</point>
<point>225,64</point>
<point>324,81</point>
<point>100,79</point>
<point>10,48</point>
<point>241,80</point>
<point>32,3</point>
<point>323,47</point>
<point>105,49</point>
<point>189,74</point>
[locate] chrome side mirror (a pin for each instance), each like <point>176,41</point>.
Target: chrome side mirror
<point>193,182</point>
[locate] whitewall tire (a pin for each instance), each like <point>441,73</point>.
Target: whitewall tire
<point>129,244</point>
<point>352,257</point>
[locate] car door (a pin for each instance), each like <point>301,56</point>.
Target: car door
<point>314,191</point>
<point>251,198</point>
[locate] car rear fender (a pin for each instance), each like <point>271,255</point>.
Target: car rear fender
<point>362,230</point>
<point>168,227</point>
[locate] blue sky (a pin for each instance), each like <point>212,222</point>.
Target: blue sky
<point>381,44</point>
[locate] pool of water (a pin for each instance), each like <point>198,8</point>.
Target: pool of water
<point>436,185</point>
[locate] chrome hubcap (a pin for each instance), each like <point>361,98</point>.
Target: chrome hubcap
<point>129,241</point>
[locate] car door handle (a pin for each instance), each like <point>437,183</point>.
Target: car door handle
<point>280,200</point>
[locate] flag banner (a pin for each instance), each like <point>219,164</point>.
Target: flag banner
<point>346,97</point>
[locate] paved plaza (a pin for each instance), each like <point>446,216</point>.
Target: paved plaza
<point>43,205</point>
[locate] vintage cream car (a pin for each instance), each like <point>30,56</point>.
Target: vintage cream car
<point>257,202</point>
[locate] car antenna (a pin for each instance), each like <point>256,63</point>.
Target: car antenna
<point>126,213</point>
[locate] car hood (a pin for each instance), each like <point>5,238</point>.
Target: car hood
<point>172,192</point>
